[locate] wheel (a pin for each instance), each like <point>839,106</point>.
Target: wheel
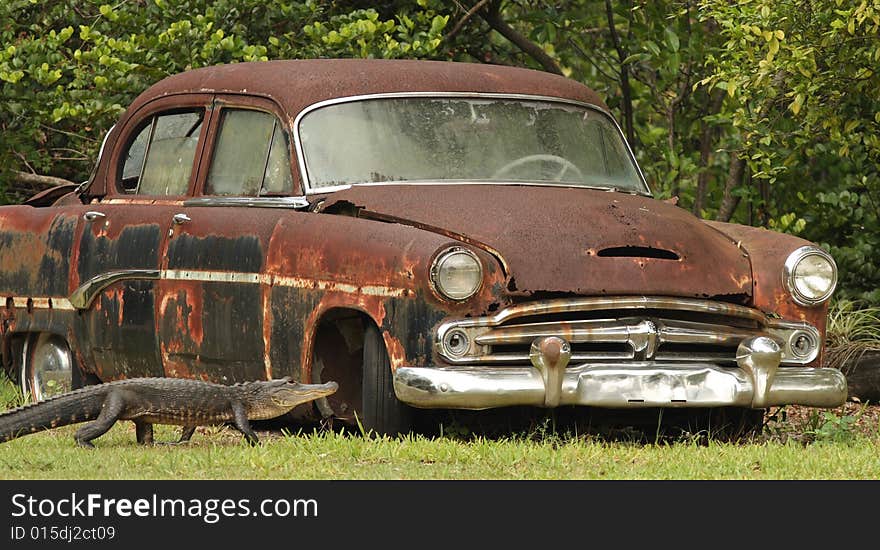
<point>565,165</point>
<point>46,367</point>
<point>382,413</point>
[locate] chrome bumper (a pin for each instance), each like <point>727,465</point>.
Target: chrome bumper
<point>757,382</point>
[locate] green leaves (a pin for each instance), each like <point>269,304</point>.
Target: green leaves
<point>791,87</point>
<point>69,68</point>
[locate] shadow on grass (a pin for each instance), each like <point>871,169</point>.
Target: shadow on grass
<point>644,426</point>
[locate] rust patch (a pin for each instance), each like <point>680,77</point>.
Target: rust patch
<point>396,351</point>
<point>372,306</point>
<point>768,251</point>
<point>180,325</point>
<point>549,237</point>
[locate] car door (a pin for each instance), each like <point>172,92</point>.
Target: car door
<point>213,308</point>
<point>120,239</point>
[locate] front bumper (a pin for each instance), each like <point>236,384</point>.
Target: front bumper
<point>756,382</point>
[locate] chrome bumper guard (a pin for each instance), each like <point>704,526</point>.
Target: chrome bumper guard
<point>756,382</point>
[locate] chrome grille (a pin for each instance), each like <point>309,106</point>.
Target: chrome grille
<point>619,329</point>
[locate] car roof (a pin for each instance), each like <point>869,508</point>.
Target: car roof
<point>297,84</point>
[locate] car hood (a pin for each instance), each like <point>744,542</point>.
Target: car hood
<point>569,240</point>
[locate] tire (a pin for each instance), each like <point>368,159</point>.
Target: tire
<point>736,424</point>
<point>726,424</point>
<point>382,414</point>
<point>47,367</point>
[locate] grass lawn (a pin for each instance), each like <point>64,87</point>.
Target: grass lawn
<point>806,444</point>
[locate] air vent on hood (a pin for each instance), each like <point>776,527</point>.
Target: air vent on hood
<point>637,252</point>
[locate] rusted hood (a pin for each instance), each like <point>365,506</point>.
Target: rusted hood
<point>558,239</point>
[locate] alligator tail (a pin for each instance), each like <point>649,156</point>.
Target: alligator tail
<point>79,405</point>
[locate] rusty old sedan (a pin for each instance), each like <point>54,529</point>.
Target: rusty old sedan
<point>431,235</point>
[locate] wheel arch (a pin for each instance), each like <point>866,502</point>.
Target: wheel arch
<point>334,352</point>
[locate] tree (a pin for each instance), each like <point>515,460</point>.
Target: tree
<point>808,118</point>
<point>69,69</point>
<point>760,112</point>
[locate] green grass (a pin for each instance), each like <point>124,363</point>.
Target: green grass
<point>220,454</point>
<point>822,445</point>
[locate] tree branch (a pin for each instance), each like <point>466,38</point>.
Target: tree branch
<point>461,22</point>
<point>729,201</point>
<point>707,139</point>
<point>625,91</point>
<point>39,180</point>
<point>493,18</point>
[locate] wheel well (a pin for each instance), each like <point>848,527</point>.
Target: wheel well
<point>12,350</point>
<point>13,353</point>
<point>337,355</point>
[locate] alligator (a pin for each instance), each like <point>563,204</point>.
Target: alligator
<point>148,401</point>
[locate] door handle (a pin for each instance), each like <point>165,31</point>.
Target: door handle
<point>93,215</point>
<point>180,219</point>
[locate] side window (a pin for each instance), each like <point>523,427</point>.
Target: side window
<point>159,160</point>
<point>250,156</point>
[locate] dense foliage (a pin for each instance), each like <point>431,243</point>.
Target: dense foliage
<point>761,112</point>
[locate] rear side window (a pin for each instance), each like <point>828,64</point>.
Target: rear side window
<point>250,156</point>
<point>160,159</point>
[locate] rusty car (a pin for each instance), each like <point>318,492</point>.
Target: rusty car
<point>430,235</point>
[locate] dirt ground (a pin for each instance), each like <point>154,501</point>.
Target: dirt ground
<point>804,423</point>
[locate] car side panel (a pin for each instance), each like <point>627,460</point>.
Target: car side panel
<point>211,306</point>
<point>321,262</point>
<point>35,256</point>
<point>117,329</point>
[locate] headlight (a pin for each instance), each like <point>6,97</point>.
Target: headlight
<point>457,273</point>
<point>810,275</point>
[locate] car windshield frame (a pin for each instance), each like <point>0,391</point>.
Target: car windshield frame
<point>309,190</point>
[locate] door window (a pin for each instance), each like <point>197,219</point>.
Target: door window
<point>250,156</point>
<point>159,161</point>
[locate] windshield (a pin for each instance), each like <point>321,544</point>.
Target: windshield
<point>454,139</point>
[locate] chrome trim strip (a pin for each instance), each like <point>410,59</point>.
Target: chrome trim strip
<point>82,297</point>
<point>210,276</point>
<point>611,302</point>
<point>42,302</point>
<point>618,331</point>
<point>134,200</point>
<point>250,202</point>
<point>303,169</point>
<point>635,385</point>
<point>369,290</point>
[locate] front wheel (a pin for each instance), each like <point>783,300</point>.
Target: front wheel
<point>47,367</point>
<point>382,412</point>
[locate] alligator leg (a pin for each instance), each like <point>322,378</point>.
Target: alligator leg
<point>186,434</point>
<point>113,407</point>
<point>243,425</point>
<point>143,432</point>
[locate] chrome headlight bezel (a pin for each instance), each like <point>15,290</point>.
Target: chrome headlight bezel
<point>441,260</point>
<point>789,272</point>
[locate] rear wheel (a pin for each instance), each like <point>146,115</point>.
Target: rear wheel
<point>47,367</point>
<point>381,411</point>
